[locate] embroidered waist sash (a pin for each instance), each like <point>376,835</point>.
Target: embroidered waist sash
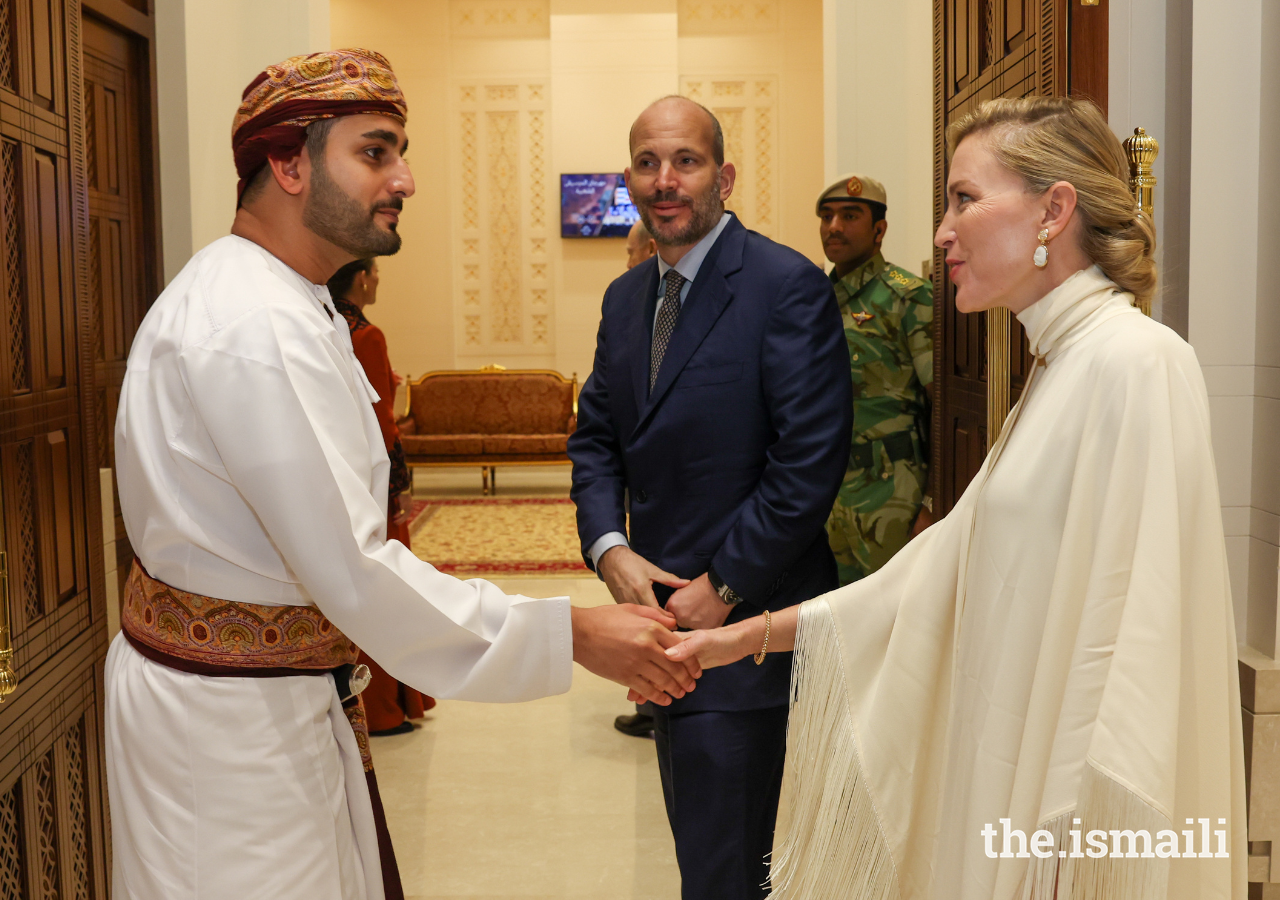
<point>223,637</point>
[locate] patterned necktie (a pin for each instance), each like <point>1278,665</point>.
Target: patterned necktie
<point>666,323</point>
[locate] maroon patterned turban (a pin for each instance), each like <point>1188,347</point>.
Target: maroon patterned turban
<point>283,100</point>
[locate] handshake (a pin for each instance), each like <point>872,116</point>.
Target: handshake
<point>629,643</point>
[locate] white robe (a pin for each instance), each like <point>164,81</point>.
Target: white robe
<point>1060,647</point>
<point>251,468</point>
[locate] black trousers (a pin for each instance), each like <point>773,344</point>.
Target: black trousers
<point>721,774</point>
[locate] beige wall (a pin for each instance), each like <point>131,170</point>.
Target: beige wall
<point>764,60</point>
<point>1217,125</point>
<point>205,55</point>
<point>505,96</point>
<point>604,69</point>
<point>1234,320</point>
<point>879,112</point>
<point>414,307</point>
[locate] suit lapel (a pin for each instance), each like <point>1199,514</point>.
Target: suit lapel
<point>708,297</point>
<point>640,335</point>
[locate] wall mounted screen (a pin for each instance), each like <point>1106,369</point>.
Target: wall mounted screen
<point>595,206</point>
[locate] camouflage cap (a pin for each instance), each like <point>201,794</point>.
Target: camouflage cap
<point>854,187</point>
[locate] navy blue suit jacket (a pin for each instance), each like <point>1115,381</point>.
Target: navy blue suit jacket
<point>735,458</point>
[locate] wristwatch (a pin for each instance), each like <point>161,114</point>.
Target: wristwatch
<point>726,593</point>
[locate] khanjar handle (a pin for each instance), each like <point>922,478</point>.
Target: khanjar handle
<point>8,677</point>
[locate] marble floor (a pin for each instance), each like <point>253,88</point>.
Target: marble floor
<point>531,800</point>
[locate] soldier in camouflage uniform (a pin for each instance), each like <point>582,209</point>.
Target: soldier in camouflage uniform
<point>887,314</point>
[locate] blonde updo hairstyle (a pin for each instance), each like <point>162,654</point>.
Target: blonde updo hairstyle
<point>1051,139</point>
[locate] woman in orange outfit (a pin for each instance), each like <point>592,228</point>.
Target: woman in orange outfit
<point>388,703</point>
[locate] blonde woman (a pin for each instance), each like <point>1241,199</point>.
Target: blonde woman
<point>1054,663</point>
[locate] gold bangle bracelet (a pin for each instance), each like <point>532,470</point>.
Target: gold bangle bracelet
<point>764,649</point>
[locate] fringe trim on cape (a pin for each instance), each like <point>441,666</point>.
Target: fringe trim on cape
<point>1106,805</point>
<point>834,846</point>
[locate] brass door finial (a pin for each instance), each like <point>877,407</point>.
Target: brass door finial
<point>1141,150</point>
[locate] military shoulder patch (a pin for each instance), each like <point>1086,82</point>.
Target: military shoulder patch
<point>902,283</point>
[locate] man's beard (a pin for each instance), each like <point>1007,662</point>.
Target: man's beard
<point>706,212</point>
<point>331,213</point>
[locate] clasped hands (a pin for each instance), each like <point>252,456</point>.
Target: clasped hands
<point>695,604</point>
<point>630,578</point>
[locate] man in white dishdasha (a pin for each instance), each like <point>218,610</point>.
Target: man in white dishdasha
<point>253,480</point>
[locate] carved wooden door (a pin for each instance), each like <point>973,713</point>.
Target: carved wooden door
<point>984,49</point>
<point>122,264</point>
<point>54,839</point>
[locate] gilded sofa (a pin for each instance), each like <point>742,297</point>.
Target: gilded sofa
<point>489,417</point>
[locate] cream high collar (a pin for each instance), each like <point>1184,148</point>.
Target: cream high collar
<point>1071,310</point>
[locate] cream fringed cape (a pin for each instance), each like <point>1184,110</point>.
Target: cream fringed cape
<point>1060,647</point>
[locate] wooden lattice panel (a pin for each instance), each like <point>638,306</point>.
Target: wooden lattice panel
<point>15,300</point>
<point>76,812</point>
<point>24,495</point>
<point>6,44</point>
<point>96,287</point>
<point>46,812</point>
<point>13,864</point>
<point>102,431</point>
<point>91,135</point>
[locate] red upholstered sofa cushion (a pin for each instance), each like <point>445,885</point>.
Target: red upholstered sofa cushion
<point>491,403</point>
<point>488,414</point>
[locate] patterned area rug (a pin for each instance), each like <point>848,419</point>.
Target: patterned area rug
<point>498,536</point>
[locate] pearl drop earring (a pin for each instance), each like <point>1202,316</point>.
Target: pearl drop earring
<point>1041,257</point>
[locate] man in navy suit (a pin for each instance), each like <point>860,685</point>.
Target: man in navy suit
<point>718,415</point>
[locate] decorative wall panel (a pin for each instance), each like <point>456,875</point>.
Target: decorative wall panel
<point>6,44</point>
<point>500,18</point>
<point>502,268</point>
<point>12,279</point>
<point>47,813</point>
<point>47,828</point>
<point>504,222</point>
<point>77,812</point>
<point>13,864</point>
<point>696,17</point>
<point>747,108</point>
<point>25,549</point>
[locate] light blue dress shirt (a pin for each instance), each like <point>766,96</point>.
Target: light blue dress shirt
<point>688,266</point>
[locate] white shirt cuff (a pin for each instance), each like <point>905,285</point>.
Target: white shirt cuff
<point>606,541</point>
<point>561,637</point>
